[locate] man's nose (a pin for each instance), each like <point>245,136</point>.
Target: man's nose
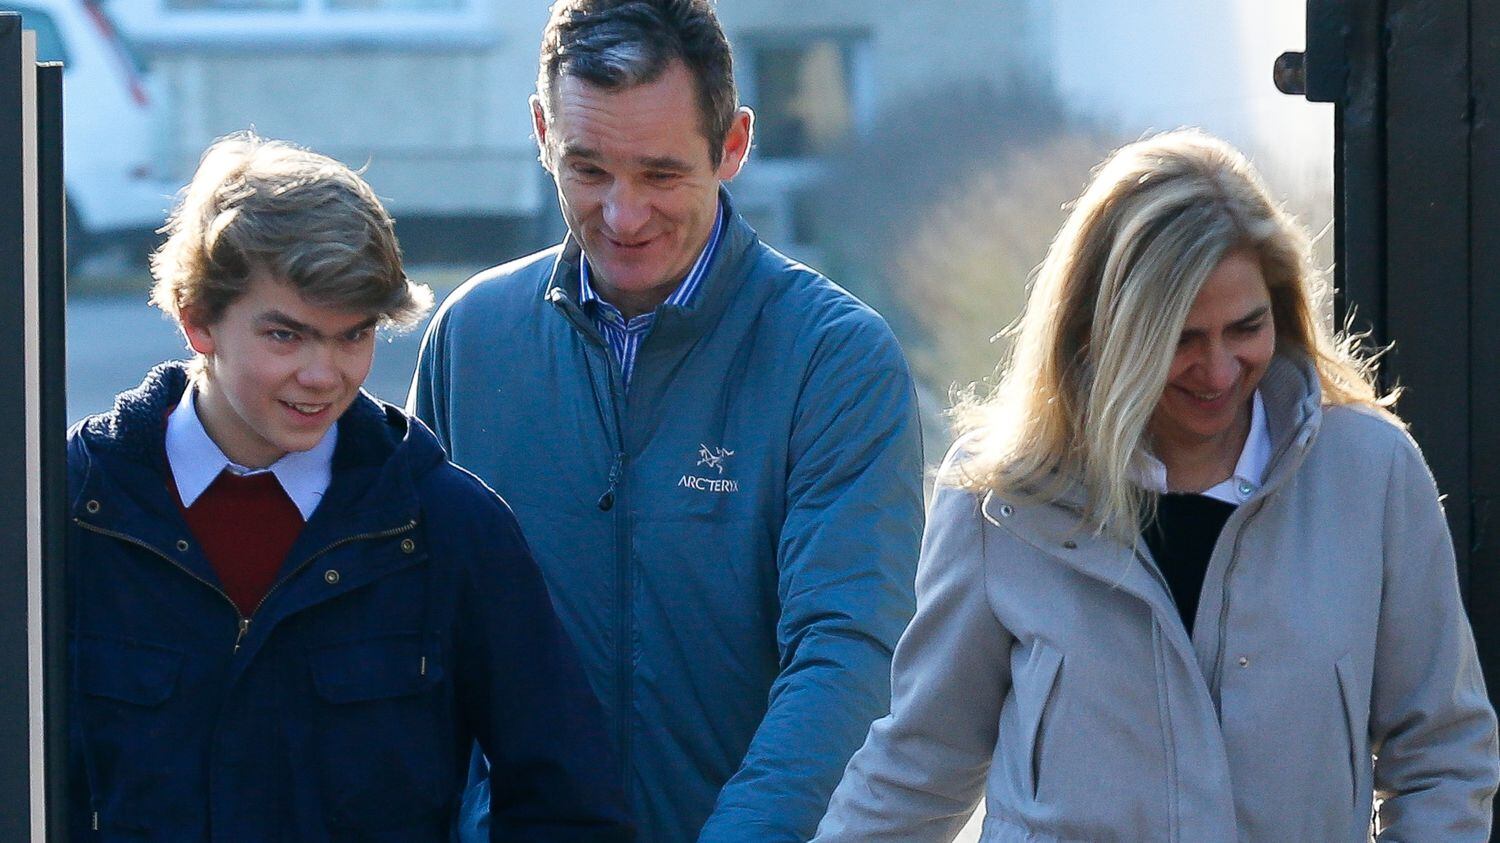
<point>626,210</point>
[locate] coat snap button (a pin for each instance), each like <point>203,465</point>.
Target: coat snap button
<point>182,545</point>
<point>407,545</point>
<point>92,507</point>
<point>1244,662</point>
<point>331,577</point>
<point>1070,544</point>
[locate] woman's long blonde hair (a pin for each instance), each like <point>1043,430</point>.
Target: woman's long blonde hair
<point>1092,349</point>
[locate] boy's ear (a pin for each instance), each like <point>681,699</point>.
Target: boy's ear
<point>199,335</point>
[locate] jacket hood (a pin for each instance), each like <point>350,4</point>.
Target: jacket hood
<point>381,451</point>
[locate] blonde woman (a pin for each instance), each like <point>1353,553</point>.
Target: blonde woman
<point>1185,577</point>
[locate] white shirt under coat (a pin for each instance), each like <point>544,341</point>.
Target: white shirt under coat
<point>1249,472</point>
<point>196,460</point>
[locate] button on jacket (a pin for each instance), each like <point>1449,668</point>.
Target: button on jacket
<point>732,545</point>
<point>1048,667</point>
<point>408,619</point>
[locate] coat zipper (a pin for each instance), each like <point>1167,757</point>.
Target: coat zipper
<point>243,625</point>
<point>1234,559</point>
<point>378,534</point>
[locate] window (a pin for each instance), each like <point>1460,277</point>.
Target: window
<point>312,5</point>
<point>808,92</point>
<point>298,25</point>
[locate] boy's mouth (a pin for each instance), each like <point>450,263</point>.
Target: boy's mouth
<point>307,409</point>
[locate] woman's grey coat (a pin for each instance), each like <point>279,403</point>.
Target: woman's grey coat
<point>1049,666</point>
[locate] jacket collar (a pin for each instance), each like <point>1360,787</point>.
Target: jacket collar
<point>124,485</point>
<point>725,275</point>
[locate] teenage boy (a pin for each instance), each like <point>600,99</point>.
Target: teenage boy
<point>291,614</point>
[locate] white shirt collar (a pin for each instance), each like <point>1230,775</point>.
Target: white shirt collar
<point>196,460</point>
<point>1249,472</point>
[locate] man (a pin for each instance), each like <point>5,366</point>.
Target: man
<point>291,616</point>
<point>714,450</point>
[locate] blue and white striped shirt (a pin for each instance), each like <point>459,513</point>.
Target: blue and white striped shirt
<point>624,336</point>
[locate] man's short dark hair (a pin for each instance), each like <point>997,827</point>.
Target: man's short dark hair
<point>617,44</point>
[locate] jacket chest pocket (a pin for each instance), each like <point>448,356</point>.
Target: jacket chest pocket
<point>385,740</point>
<point>137,744</point>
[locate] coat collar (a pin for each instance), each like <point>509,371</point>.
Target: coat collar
<point>1293,413</point>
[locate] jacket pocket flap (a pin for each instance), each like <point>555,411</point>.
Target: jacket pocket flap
<point>371,669</point>
<point>142,674</point>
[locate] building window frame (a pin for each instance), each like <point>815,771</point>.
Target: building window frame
<point>857,50</point>
<point>312,24</point>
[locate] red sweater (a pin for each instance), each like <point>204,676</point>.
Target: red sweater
<point>246,526</point>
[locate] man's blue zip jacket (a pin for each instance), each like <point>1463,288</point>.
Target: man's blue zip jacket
<point>731,542</point>
<point>407,621</point>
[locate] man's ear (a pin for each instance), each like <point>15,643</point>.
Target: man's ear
<point>200,336</point>
<point>737,143</point>
<point>539,128</point>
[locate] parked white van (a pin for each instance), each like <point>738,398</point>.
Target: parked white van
<point>110,130</point>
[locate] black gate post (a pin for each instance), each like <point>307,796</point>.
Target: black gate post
<point>33,645</point>
<point>1416,92</point>
<point>52,426</point>
<point>15,648</point>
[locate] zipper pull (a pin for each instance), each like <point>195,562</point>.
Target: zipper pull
<point>244,628</point>
<point>94,822</point>
<point>607,500</point>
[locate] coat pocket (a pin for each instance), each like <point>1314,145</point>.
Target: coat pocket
<point>1355,724</point>
<point>386,743</point>
<point>1033,691</point>
<point>133,746</point>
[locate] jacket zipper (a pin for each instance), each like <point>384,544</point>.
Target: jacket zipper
<point>607,502</point>
<point>243,625</point>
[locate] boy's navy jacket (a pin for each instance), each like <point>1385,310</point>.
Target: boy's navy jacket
<point>408,620</point>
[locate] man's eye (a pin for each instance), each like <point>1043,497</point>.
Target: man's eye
<point>358,334</point>
<point>281,335</point>
<point>661,177</point>
<point>587,171</point>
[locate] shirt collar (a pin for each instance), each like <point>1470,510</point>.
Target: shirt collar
<point>1249,472</point>
<point>680,297</point>
<point>196,460</point>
